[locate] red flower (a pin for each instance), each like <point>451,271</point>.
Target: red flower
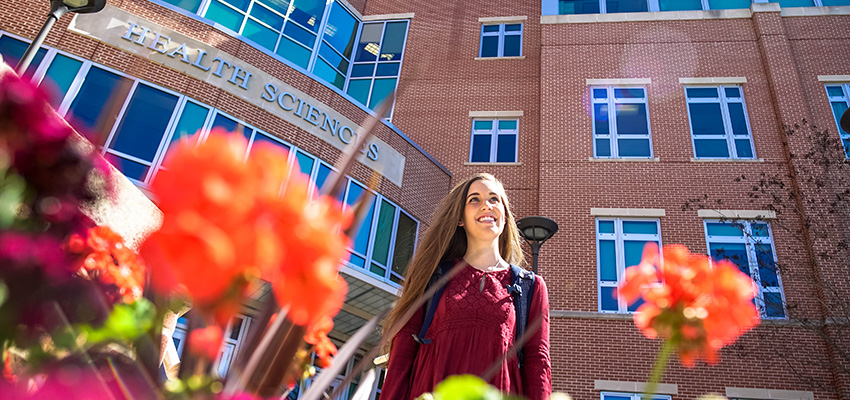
<point>206,342</point>
<point>226,222</point>
<point>700,307</point>
<point>317,335</point>
<point>110,261</point>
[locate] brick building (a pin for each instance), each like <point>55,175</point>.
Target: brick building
<point>624,121</point>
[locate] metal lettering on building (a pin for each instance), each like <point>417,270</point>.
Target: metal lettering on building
<point>135,35</point>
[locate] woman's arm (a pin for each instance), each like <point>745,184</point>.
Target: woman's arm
<point>537,366</point>
<point>402,355</point>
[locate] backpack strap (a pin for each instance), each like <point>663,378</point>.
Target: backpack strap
<point>431,305</point>
<point>522,290</point>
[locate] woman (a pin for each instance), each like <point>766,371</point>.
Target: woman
<point>474,323</point>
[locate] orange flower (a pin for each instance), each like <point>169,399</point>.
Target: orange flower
<point>206,342</point>
<point>110,261</point>
<point>698,306</point>
<point>226,223</point>
<point>317,335</point>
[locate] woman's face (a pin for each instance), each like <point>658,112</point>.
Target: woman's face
<point>484,211</point>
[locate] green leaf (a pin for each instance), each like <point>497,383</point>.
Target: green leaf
<point>466,387</point>
<point>126,323</point>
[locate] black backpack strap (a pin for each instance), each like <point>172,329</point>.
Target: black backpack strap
<point>522,290</point>
<point>431,304</point>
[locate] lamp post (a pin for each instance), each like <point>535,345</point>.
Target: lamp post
<point>535,231</point>
<point>58,8</point>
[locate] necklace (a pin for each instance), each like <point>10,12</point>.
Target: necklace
<point>495,267</point>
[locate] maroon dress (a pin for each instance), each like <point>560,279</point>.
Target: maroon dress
<point>472,328</point>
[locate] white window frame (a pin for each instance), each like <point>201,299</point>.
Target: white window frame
<point>652,6</point>
<point>619,237</point>
<point>613,135</point>
<point>494,133</point>
<point>501,35</point>
<point>749,240</point>
<point>230,347</point>
<point>845,97</point>
<point>729,135</point>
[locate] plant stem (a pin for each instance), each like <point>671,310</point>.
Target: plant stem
<point>658,368</point>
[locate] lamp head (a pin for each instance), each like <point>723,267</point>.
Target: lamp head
<point>80,6</point>
<point>845,121</point>
<point>537,229</point>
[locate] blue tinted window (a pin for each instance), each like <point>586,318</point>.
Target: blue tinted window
<point>260,35</point>
<point>263,138</point>
<point>359,89</point>
<point>300,34</point>
<point>766,265</point>
<point>393,43</point>
<point>773,306</point>
<point>294,52</point>
<point>267,16</point>
<point>738,119</point>
<point>131,169</point>
<point>508,124</point>
<point>361,240</point>
<point>828,3</point>
<point>702,92</point>
<point>141,129</point>
<point>305,162</point>
<point>728,4</point>
<point>328,74</point>
<point>480,148</point>
<point>600,93</point>
<point>733,252</point>
<point>711,148</point>
<point>640,227</point>
<point>99,88</point>
<point>838,109</point>
<point>340,30</point>
<point>387,69</point>
<point>370,41</point>
<point>603,147</point>
<point>60,75</point>
<point>13,50</point>
<point>833,91</point>
<point>600,118</point>
<point>633,252</point>
<point>513,44</point>
<point>620,6</point>
<point>490,46</point>
<point>632,119</point>
<point>322,175</point>
<point>506,148</point>
<point>189,5</point>
<point>578,7</point>
<point>225,123</point>
<point>308,13</point>
<point>606,226</point>
<point>607,300</point>
<point>482,125</point>
<point>380,90</point>
<point>490,28</point>
<point>794,3</point>
<point>680,5</point>
<point>706,118</point>
<point>224,15</point>
<point>191,120</point>
<point>628,93</point>
<point>732,92</point>
<point>633,147</point>
<point>723,229</point>
<point>333,58</point>
<point>360,70</point>
<point>607,260</point>
<point>744,148</point>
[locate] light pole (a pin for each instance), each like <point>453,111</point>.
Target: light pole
<point>535,231</point>
<point>58,8</point>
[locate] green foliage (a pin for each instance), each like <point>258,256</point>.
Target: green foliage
<point>465,387</point>
<point>12,192</point>
<point>126,323</point>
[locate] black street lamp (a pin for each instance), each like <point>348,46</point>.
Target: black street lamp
<point>58,8</point>
<point>845,121</point>
<point>535,231</point>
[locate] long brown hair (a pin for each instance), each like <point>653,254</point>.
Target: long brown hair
<point>445,240</point>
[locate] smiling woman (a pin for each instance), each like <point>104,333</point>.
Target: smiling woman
<point>475,320</point>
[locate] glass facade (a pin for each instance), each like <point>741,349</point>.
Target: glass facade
<point>501,40</point>
<point>318,36</point>
<point>839,102</point>
<point>138,121</point>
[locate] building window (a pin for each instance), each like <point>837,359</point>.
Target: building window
<point>377,62</point>
<point>501,40</point>
<point>749,245</point>
<point>234,338</point>
<point>619,245</point>
<point>839,100</point>
<point>719,124</point>
<point>626,133</point>
<point>337,45</point>
<point>494,140</point>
